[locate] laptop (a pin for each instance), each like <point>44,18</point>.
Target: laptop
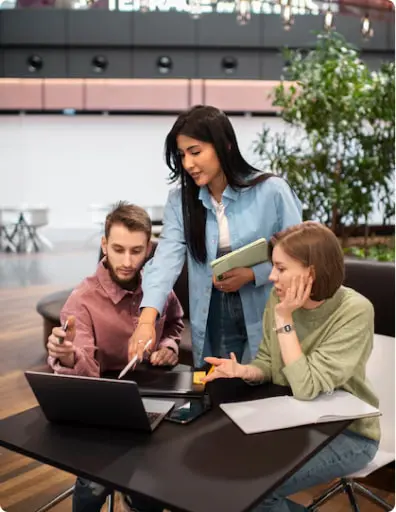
<point>96,401</point>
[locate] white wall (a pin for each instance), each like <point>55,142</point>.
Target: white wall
<point>70,162</point>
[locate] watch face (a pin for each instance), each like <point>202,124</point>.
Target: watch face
<point>288,328</point>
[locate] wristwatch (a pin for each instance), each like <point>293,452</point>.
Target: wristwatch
<point>285,329</point>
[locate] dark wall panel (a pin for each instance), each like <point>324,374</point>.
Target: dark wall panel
<point>97,27</point>
<point>35,63</point>
<point>99,63</point>
<point>271,65</point>
<point>233,64</point>
<point>301,35</point>
<point>350,28</point>
<point>222,30</point>
<point>164,63</point>
<point>33,27</point>
<point>1,63</point>
<point>374,60</point>
<point>391,35</point>
<point>100,43</point>
<point>164,29</point>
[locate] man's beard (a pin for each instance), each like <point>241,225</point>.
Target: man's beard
<point>130,284</point>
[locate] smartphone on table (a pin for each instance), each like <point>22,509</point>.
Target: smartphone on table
<point>189,411</point>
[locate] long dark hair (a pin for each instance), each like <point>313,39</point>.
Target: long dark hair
<point>207,124</point>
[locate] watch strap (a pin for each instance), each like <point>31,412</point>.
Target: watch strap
<point>285,329</point>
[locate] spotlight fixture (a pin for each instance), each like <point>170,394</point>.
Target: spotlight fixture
<point>229,64</point>
<point>366,29</point>
<point>164,66</point>
<point>99,63</point>
<point>34,63</point>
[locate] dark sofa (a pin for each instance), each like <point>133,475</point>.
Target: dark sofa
<point>374,280</point>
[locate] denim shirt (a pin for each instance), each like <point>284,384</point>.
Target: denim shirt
<point>252,213</point>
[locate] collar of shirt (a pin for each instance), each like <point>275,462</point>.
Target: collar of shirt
<point>112,289</point>
<point>228,194</point>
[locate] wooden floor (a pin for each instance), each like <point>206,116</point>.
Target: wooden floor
<point>26,484</point>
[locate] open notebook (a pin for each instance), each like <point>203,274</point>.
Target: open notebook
<point>285,411</point>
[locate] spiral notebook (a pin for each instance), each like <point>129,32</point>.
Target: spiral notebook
<point>282,412</point>
<point>246,256</point>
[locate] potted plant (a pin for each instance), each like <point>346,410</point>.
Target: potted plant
<point>337,151</point>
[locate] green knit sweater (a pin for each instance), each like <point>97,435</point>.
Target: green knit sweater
<point>336,339</point>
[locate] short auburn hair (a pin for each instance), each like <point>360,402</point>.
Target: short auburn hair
<point>133,217</point>
<point>314,245</point>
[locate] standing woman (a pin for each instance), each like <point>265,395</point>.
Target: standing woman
<point>222,203</point>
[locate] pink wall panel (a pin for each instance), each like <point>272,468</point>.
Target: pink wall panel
<point>240,95</point>
<point>197,91</point>
<point>137,94</point>
<point>19,93</point>
<point>63,93</point>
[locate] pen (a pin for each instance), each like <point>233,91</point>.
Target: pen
<point>212,369</point>
<point>133,361</point>
<point>64,327</point>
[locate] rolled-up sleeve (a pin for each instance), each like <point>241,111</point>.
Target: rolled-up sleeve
<point>164,268</point>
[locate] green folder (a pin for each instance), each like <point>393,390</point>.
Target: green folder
<point>247,256</point>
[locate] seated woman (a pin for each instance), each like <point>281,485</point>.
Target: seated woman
<point>318,336</point>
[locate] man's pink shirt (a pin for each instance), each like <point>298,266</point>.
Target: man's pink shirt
<point>106,317</point>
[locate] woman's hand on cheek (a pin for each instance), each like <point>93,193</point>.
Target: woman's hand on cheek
<point>296,295</point>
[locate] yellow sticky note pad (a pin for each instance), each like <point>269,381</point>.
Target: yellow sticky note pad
<point>198,376</point>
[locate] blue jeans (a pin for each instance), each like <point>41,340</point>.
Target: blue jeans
<point>347,453</point>
<point>226,326</point>
<point>90,497</point>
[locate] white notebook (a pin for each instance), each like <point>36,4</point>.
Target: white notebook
<point>285,411</point>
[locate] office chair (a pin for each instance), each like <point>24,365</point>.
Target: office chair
<point>381,374</point>
<point>69,492</point>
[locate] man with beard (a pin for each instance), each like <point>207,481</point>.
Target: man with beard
<point>103,312</point>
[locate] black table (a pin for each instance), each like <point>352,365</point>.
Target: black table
<point>209,465</point>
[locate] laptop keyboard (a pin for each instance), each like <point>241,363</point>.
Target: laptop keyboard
<point>152,416</point>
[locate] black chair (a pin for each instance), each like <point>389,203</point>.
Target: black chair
<point>376,281</point>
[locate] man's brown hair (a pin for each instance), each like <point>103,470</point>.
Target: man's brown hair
<point>314,245</point>
<point>133,217</point>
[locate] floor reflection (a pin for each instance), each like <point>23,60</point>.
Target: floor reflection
<point>68,268</point>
